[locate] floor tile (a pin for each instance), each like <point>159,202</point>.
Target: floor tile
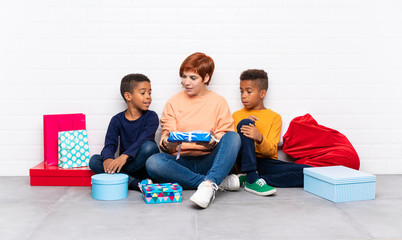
<point>282,194</point>
<point>379,218</point>
<point>18,189</point>
<point>297,219</point>
<point>33,213</point>
<point>19,219</point>
<point>388,186</point>
<point>117,220</point>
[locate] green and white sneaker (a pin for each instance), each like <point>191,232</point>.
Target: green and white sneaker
<point>242,178</point>
<point>260,187</point>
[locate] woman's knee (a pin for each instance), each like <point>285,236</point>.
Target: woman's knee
<point>233,139</point>
<point>154,163</point>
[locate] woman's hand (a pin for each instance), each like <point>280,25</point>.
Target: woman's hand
<point>169,146</point>
<point>208,145</point>
<point>211,144</point>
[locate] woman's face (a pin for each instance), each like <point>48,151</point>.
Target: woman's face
<point>193,84</point>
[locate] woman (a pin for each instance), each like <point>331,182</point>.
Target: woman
<point>201,165</point>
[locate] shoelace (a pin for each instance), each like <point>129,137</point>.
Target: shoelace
<point>220,188</point>
<point>261,182</point>
<point>215,187</point>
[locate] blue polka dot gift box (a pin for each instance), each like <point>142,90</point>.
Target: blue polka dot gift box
<point>73,149</point>
<point>109,186</point>
<point>161,193</point>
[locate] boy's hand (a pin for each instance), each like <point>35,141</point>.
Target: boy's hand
<point>106,164</point>
<point>117,164</point>
<point>253,118</point>
<point>252,132</point>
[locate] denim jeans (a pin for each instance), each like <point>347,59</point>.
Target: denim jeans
<point>190,171</point>
<point>275,172</point>
<point>134,167</point>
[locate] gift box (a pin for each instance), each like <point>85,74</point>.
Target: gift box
<point>73,149</point>
<point>52,124</point>
<point>43,175</point>
<point>109,186</point>
<point>189,137</point>
<point>339,183</point>
<point>161,193</point>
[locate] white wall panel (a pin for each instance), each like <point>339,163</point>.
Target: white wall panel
<point>337,60</point>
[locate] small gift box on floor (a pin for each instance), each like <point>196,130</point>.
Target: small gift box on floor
<point>339,183</point>
<point>161,193</point>
<point>109,186</point>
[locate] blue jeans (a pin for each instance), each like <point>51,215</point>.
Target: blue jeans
<point>134,167</point>
<point>190,171</point>
<point>276,173</point>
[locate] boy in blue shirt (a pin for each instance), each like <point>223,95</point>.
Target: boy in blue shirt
<point>135,128</point>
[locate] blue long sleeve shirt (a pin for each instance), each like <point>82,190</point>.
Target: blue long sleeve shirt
<point>132,134</point>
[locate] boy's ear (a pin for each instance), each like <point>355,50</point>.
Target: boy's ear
<point>263,93</point>
<point>206,79</point>
<point>127,96</point>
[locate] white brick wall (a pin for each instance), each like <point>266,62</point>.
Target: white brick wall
<point>338,60</point>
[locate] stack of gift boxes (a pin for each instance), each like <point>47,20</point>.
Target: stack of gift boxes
<point>66,152</point>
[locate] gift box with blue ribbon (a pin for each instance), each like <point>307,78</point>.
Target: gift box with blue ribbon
<point>189,137</point>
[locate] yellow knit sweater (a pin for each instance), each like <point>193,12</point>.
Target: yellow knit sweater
<point>269,124</point>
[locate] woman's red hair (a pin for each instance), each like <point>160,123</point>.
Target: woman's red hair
<point>199,63</point>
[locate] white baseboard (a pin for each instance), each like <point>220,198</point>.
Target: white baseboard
<point>17,168</point>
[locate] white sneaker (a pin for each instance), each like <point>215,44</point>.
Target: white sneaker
<point>230,183</point>
<point>205,194</point>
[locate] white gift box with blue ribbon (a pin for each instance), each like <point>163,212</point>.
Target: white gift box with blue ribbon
<point>339,183</point>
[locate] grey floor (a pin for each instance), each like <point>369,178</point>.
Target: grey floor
<point>70,213</point>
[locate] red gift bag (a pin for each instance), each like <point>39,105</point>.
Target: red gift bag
<point>317,145</point>
<point>52,124</point>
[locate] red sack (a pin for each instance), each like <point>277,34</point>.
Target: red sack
<point>317,145</point>
<point>52,124</point>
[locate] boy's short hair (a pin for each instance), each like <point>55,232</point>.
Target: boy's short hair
<point>130,81</point>
<point>199,63</point>
<point>259,76</point>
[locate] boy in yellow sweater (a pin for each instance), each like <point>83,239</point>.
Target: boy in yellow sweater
<point>260,129</point>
